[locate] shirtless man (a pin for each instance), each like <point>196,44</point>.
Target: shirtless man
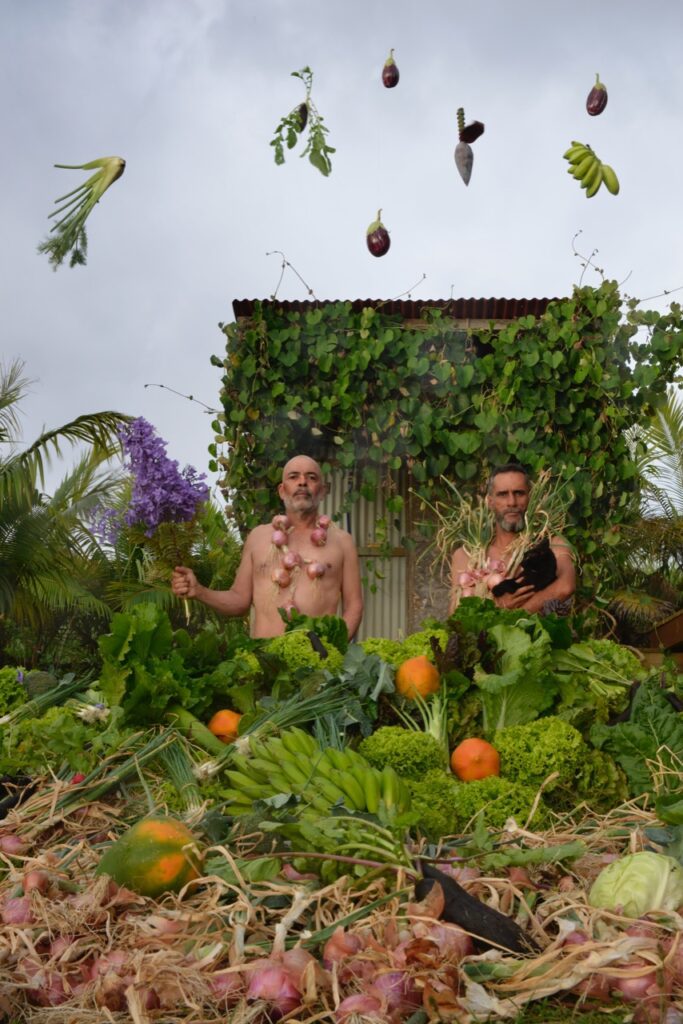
<point>508,498</point>
<point>302,489</point>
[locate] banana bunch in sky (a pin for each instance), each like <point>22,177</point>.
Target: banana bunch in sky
<point>585,166</point>
<point>292,762</point>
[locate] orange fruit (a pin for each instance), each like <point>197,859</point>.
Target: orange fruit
<point>417,675</point>
<point>225,725</point>
<point>475,759</point>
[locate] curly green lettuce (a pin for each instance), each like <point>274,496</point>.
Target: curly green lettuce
<point>295,650</point>
<point>410,753</point>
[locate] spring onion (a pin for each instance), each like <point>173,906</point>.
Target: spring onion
<point>68,234</point>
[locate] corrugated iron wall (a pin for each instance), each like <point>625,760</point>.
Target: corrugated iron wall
<point>385,586</point>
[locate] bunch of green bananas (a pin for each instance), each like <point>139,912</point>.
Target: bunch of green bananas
<point>338,835</point>
<point>294,763</point>
<point>585,166</point>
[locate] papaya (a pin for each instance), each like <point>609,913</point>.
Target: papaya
<point>156,855</point>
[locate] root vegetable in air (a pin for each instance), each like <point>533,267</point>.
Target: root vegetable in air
<point>464,158</point>
<point>377,237</point>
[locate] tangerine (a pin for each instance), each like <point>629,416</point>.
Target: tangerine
<point>475,759</point>
<point>417,675</point>
<point>225,725</point>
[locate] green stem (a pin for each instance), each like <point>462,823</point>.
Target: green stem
<point>188,725</point>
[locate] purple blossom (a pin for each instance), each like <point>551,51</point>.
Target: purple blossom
<point>161,492</point>
<point>106,524</point>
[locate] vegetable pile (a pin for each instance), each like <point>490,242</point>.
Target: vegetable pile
<point>485,814</point>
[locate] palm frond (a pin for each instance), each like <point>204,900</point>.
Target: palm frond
<point>12,389</point>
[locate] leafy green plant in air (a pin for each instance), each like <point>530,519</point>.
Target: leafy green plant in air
<point>68,234</point>
<point>292,125</point>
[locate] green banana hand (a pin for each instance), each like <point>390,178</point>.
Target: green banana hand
<point>610,179</point>
<point>594,187</point>
<point>580,169</point>
<point>593,174</point>
<point>576,151</point>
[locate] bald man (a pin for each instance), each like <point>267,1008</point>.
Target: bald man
<point>301,491</point>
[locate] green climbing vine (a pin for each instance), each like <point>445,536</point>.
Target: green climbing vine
<point>364,389</point>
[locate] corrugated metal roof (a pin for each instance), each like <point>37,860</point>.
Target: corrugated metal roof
<point>412,309</point>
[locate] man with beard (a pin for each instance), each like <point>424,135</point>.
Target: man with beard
<point>323,558</point>
<point>508,498</point>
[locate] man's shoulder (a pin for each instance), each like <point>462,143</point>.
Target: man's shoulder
<point>259,534</point>
<point>342,536</point>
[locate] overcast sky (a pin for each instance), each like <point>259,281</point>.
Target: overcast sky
<point>189,93</point>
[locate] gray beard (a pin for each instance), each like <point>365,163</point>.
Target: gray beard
<point>514,526</point>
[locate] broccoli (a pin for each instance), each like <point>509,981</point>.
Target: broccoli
<point>410,753</point>
<point>296,651</point>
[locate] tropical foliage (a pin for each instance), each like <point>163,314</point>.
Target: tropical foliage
<point>367,390</point>
<point>47,556</point>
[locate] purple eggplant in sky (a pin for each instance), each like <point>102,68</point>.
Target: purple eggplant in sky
<point>597,98</point>
<point>377,237</point>
<point>390,75</point>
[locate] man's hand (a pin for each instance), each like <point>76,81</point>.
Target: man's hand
<point>184,582</point>
<point>515,600</point>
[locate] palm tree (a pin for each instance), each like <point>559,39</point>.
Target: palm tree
<point>652,580</point>
<point>47,556</point>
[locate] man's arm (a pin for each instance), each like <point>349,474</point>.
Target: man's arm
<point>559,590</point>
<point>231,603</point>
<point>351,590</point>
<point>459,563</point>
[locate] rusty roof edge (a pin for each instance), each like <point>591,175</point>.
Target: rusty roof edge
<point>482,308</point>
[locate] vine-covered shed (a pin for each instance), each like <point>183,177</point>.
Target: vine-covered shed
<point>392,397</point>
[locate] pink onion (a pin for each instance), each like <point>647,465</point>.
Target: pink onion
<point>273,984</point>
<point>227,986</point>
<point>281,522</point>
<point>493,579</point>
<point>397,991</point>
<point>36,879</point>
<point>496,565</point>
<point>637,989</point>
<point>339,946</point>
<point>281,577</point>
<point>292,875</point>
<point>291,559</point>
<point>324,522</point>
<point>358,1005</point>
<point>17,910</point>
<point>12,845</point>
<point>319,537</point>
<point>315,569</point>
<point>466,579</point>
<point>575,938</point>
<point>279,538</point>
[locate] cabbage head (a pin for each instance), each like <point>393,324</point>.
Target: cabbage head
<point>638,883</point>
